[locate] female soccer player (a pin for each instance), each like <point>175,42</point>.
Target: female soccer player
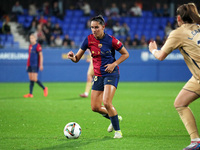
<point>102,47</point>
<point>34,63</point>
<point>187,39</point>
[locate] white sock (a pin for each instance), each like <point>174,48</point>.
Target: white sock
<point>196,139</point>
<point>86,93</point>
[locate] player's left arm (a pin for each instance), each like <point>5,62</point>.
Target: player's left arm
<point>158,54</point>
<point>124,55</point>
<point>41,61</point>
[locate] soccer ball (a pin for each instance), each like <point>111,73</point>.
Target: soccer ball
<point>72,130</point>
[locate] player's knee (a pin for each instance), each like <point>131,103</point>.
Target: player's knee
<point>35,80</point>
<point>89,78</point>
<point>179,104</point>
<point>107,104</point>
<point>175,104</point>
<point>95,109</point>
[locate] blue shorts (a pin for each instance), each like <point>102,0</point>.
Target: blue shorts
<point>33,69</point>
<point>100,82</point>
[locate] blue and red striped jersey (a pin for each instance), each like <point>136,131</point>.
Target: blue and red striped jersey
<point>103,53</point>
<point>33,57</point>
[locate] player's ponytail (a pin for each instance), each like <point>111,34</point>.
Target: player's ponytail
<point>189,13</point>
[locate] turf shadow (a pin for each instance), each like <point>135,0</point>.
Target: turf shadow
<point>75,143</point>
<point>73,98</point>
<point>9,98</point>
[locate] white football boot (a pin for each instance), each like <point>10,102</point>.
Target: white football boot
<point>118,135</point>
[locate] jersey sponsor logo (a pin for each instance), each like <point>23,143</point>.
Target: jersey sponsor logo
<point>99,45</point>
<point>102,53</point>
<point>93,52</point>
<point>109,51</point>
<point>118,42</point>
<point>95,78</point>
<point>109,80</point>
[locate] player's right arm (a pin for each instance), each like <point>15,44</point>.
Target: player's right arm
<point>77,57</point>
<point>79,54</point>
<point>173,42</point>
<point>158,54</point>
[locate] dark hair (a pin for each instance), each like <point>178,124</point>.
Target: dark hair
<point>188,13</point>
<point>99,19</point>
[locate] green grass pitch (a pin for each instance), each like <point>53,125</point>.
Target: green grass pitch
<point>149,118</point>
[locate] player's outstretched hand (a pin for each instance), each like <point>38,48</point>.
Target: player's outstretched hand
<point>152,46</point>
<point>70,55</point>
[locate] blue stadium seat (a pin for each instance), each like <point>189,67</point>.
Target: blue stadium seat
<point>86,32</point>
<point>78,33</point>
<point>26,24</point>
<point>141,20</point>
<point>148,20</point>
<point>60,22</point>
<point>1,24</point>
<point>83,19</point>
<point>25,11</point>
<point>109,31</point>
<point>78,13</point>
<point>161,33</point>
<point>147,35</point>
<point>65,26</point>
<point>147,27</point>
<point>3,37</point>
<point>163,20</point>
<point>153,34</point>
<point>53,19</point>
<point>127,20</point>
<point>73,26</point>
<point>147,14</point>
<point>140,27</point>
<point>15,44</point>
<point>65,32</point>
<point>69,12</point>
<point>71,33</point>
<point>156,20</point>
<point>139,33</point>
<point>75,20</point>
<point>172,19</point>
<point>81,26</point>
<point>134,20</point>
<point>29,18</point>
<point>21,19</point>
<point>133,26</point>
<point>92,13</point>
<point>10,38</point>
<point>154,27</point>
<point>8,44</point>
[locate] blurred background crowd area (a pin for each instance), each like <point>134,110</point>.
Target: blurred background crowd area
<point>65,24</point>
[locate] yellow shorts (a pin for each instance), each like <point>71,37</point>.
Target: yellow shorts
<point>90,69</point>
<point>193,86</point>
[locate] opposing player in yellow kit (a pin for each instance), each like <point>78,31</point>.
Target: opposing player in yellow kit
<point>187,39</point>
